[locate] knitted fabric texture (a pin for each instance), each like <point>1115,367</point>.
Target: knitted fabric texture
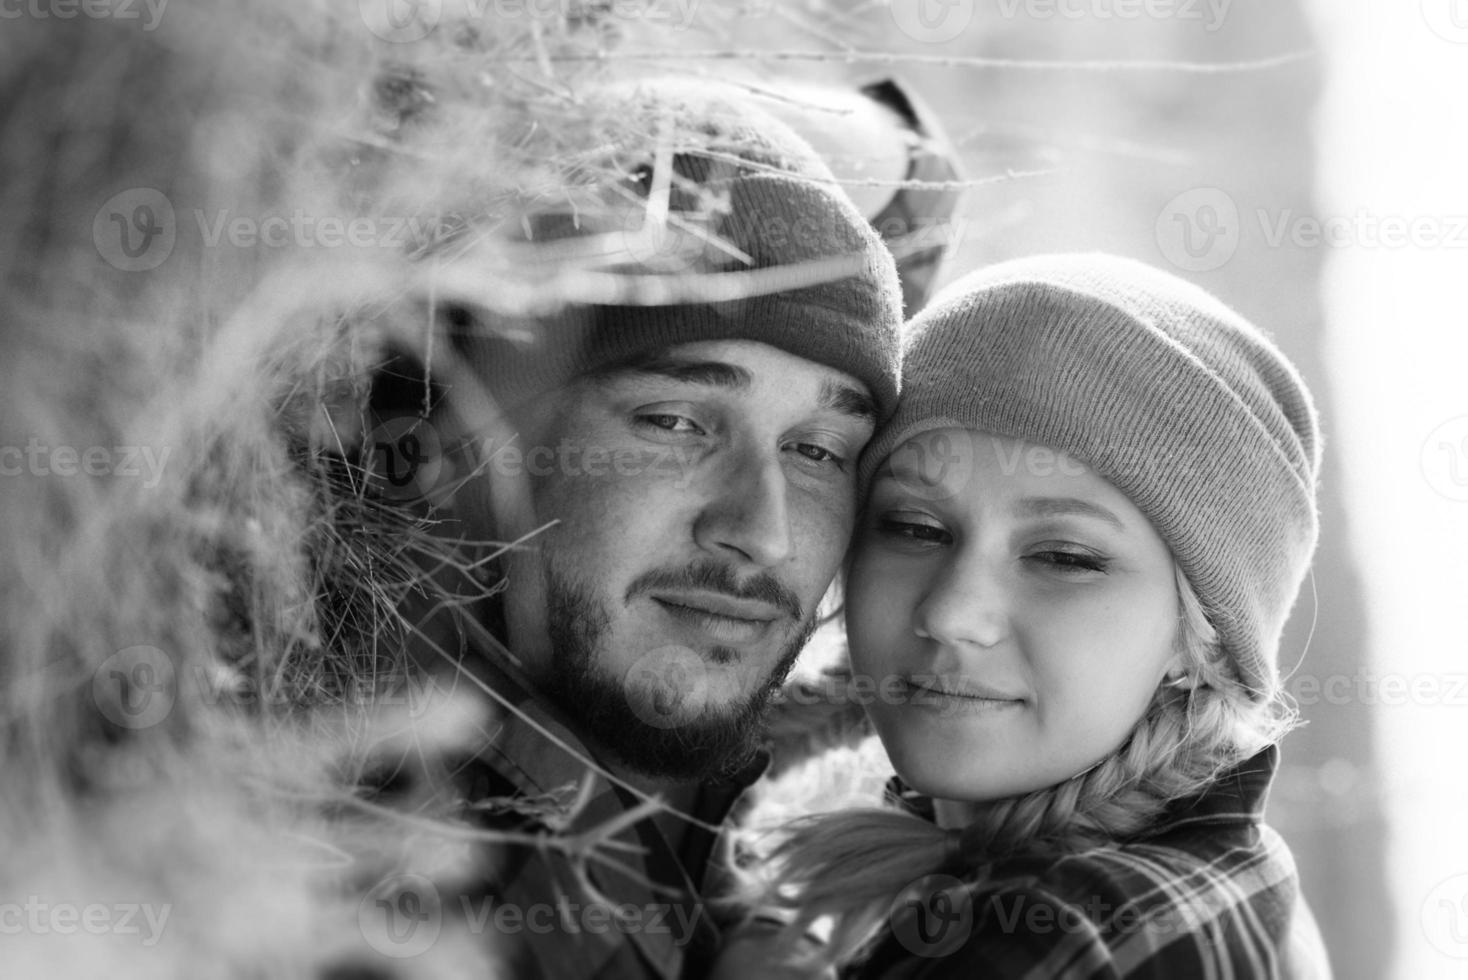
<point>743,194</point>
<point>1162,390</point>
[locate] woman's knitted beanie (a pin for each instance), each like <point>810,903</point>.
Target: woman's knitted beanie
<point>1161,389</point>
<point>716,193</point>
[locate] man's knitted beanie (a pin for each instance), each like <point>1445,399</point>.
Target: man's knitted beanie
<point>729,227</point>
<point>1161,389</point>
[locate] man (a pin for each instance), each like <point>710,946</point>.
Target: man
<point>692,463</point>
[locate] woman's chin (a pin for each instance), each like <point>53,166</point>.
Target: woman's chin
<point>945,771</point>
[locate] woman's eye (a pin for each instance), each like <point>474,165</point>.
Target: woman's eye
<point>913,531</point>
<point>1070,562</point>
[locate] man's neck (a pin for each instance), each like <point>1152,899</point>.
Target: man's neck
<point>678,798</point>
<point>531,744</point>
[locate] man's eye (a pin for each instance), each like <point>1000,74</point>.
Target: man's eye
<point>667,421</point>
<point>819,454</point>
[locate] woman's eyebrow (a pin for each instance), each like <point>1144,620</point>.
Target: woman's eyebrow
<point>1066,507</point>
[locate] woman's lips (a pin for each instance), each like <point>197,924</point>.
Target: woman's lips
<point>935,691</point>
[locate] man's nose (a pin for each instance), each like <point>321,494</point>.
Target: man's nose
<point>965,604</point>
<point>747,515</point>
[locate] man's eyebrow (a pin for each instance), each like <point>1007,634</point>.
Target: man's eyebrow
<point>848,401</point>
<point>713,374</point>
<point>1066,507</point>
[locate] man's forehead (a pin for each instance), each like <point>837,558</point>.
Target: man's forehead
<point>738,365</point>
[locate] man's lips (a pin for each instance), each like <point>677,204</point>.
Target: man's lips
<point>722,605</point>
<point>721,617</point>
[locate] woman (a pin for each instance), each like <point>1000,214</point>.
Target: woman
<point>1084,530</point>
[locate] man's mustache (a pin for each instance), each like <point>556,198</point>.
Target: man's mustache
<point>714,577</point>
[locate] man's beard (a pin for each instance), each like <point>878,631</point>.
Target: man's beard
<point>721,739</point>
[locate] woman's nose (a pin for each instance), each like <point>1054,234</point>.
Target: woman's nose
<point>965,604</point>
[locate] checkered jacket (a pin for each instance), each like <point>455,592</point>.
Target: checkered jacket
<point>1210,893</point>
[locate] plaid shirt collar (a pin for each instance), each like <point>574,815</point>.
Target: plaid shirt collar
<point>1238,796</point>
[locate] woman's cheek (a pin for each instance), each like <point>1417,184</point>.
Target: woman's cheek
<point>877,621</point>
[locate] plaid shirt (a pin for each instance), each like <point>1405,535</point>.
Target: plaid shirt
<point>1210,893</point>
<point>563,922</point>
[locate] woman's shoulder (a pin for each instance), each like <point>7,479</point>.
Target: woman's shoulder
<point>1132,910</point>
<point>1162,868</point>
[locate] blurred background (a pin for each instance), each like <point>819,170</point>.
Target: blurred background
<point>1307,160</point>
